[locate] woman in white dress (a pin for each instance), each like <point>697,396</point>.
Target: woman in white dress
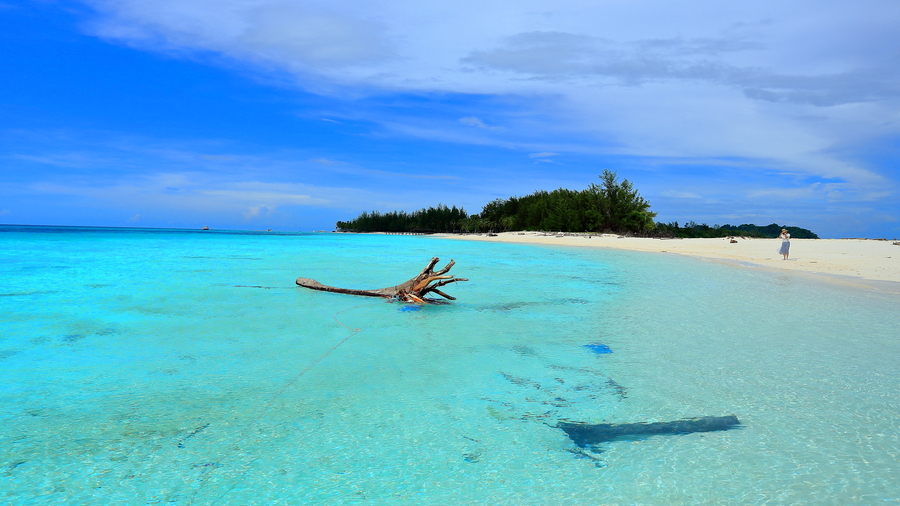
<point>785,243</point>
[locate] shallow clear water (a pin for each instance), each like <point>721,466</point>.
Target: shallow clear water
<point>147,367</point>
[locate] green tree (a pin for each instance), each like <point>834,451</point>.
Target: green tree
<point>620,206</point>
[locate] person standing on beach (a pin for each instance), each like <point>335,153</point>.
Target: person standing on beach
<point>785,243</point>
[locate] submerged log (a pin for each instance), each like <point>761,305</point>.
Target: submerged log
<point>584,434</point>
<point>415,290</point>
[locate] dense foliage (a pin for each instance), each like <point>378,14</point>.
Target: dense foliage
<point>432,219</point>
<point>611,206</point>
<point>692,229</point>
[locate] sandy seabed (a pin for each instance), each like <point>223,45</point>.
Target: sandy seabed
<point>864,262</point>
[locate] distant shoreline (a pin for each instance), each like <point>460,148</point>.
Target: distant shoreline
<point>871,263</point>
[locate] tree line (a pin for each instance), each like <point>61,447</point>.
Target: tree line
<point>692,230</point>
<point>612,206</point>
<point>432,219</point>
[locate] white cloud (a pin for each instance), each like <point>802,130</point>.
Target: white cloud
<point>472,121</point>
<point>257,212</point>
<point>585,54</point>
<point>198,194</point>
<point>793,86</point>
<point>299,37</point>
<point>543,154</point>
<point>281,194</point>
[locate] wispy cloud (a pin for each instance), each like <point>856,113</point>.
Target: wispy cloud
<point>544,157</point>
<point>680,194</point>
<point>301,37</point>
<point>563,56</point>
<point>718,85</point>
<point>472,121</point>
<point>257,212</point>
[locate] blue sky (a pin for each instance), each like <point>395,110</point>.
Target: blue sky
<point>291,115</point>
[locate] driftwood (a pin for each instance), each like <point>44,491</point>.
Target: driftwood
<point>415,290</point>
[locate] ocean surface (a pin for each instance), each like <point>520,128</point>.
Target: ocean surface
<point>180,367</point>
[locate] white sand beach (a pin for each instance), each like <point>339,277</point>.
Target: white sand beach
<point>845,260</point>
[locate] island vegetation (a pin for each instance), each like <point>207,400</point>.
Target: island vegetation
<point>612,206</point>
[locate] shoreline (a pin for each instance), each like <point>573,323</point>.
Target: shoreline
<point>862,262</point>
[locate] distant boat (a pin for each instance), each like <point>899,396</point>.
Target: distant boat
<point>205,228</point>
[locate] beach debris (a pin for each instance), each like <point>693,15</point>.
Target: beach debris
<point>598,348</point>
<point>415,290</point>
<point>585,434</point>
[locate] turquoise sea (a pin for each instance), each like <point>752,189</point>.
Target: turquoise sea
<point>171,367</point>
